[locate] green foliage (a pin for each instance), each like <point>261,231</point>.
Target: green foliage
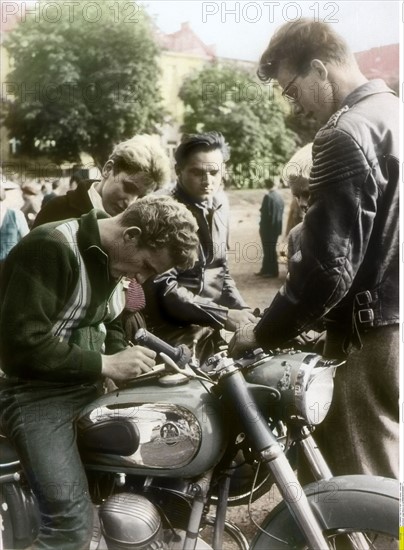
<point>85,76</point>
<point>251,116</point>
<point>305,128</point>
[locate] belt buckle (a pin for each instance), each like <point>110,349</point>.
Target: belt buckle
<point>363,298</point>
<point>366,316</point>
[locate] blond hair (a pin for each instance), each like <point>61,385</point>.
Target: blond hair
<point>142,153</point>
<point>299,166</point>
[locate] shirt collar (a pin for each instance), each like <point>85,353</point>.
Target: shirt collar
<point>377,86</point>
<point>95,197</point>
<point>89,233</point>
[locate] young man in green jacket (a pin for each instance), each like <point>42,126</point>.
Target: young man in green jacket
<point>58,340</point>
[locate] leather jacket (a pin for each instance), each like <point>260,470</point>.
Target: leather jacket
<point>204,294</point>
<point>348,269</point>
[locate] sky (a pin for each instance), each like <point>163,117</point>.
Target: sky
<point>241,30</point>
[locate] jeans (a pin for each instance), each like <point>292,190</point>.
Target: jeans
<point>39,421</point>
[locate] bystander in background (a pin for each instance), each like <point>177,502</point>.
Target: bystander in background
<point>51,194</point>
<point>32,203</point>
<point>13,227</point>
<point>297,175</point>
<point>270,229</point>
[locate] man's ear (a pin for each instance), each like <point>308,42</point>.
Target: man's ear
<point>106,169</point>
<point>132,234</point>
<point>177,172</point>
<point>318,66</point>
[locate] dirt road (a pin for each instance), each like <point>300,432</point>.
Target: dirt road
<point>245,254</point>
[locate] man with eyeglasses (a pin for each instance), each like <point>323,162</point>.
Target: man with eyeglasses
<point>348,273</point>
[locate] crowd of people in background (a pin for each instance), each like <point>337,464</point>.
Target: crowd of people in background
<point>72,196</point>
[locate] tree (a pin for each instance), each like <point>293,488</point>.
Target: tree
<point>85,77</point>
<point>304,128</point>
<point>251,116</point>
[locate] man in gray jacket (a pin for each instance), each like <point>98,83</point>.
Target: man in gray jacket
<point>193,305</point>
<point>348,273</point>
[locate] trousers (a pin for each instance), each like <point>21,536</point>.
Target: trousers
<point>270,254</point>
<point>39,420</point>
<point>360,434</point>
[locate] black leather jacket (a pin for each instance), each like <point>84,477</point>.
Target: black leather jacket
<point>204,294</point>
<point>348,271</point>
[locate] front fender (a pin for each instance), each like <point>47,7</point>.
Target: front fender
<point>354,503</point>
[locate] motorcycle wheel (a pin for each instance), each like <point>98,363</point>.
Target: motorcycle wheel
<point>343,506</point>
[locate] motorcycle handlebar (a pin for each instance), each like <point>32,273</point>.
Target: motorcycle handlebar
<point>179,354</point>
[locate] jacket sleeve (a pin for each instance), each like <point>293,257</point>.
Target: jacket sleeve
<point>115,339</point>
<point>231,297</point>
<point>183,305</point>
<point>264,212</point>
<point>334,237</point>
<point>37,280</point>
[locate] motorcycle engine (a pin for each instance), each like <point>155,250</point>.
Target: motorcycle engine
<point>131,521</point>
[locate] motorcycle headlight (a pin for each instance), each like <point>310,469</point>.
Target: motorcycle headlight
<point>303,381</point>
<point>313,392</point>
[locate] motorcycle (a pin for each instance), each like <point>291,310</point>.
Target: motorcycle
<point>175,443</point>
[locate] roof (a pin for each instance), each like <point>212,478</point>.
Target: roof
<point>381,62</point>
<point>185,41</point>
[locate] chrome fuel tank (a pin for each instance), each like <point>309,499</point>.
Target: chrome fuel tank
<point>154,430</point>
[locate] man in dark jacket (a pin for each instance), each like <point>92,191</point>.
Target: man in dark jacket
<point>349,267</point>
<point>183,306</point>
<point>58,338</point>
<point>270,229</point>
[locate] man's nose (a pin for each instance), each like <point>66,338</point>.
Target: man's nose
<point>209,179</point>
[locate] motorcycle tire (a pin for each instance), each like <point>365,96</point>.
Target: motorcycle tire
<point>343,505</point>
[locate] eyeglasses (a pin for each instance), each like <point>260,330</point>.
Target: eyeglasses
<point>290,92</point>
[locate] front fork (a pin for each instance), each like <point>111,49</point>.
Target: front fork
<point>320,470</point>
<point>254,424</point>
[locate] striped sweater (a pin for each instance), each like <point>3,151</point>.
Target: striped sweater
<point>58,305</point>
